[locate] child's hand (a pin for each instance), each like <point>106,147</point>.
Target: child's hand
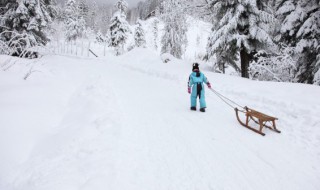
<point>189,90</point>
<point>209,85</point>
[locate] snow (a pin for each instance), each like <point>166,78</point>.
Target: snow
<point>124,123</point>
<point>197,35</point>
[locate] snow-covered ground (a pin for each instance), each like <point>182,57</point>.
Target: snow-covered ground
<point>124,123</point>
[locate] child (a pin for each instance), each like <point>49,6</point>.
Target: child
<point>196,80</point>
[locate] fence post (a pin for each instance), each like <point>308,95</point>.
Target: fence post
<point>104,49</point>
<point>76,48</point>
<point>71,48</point>
<point>88,48</point>
<point>82,47</point>
<point>57,48</point>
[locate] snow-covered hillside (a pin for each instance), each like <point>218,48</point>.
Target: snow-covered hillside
<point>125,123</point>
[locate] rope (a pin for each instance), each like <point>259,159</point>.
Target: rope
<point>224,99</point>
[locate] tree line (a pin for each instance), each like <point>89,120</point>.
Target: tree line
<point>274,40</point>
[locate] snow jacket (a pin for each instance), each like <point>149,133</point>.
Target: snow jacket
<point>196,80</point>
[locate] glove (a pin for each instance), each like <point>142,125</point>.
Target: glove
<point>209,85</point>
<point>189,90</point>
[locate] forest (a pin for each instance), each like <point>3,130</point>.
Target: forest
<point>269,40</point>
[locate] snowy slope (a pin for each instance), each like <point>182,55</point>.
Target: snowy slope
<point>124,123</point>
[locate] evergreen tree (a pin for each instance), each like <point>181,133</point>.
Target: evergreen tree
<point>74,21</point>
<point>174,39</point>
<point>122,6</point>
<point>155,33</point>
<point>300,28</point>
<point>92,21</point>
<point>242,26</point>
<point>100,38</point>
<point>7,12</point>
<point>108,38</point>
<point>139,36</point>
<point>227,55</point>
<point>24,24</point>
<point>83,8</point>
<point>279,66</point>
<point>119,28</point>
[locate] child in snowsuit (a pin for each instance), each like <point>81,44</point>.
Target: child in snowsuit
<point>196,80</point>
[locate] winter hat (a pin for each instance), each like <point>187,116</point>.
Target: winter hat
<point>195,66</point>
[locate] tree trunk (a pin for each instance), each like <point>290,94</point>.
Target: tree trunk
<point>223,68</point>
<point>245,59</point>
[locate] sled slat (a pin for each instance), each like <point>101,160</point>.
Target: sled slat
<point>260,118</point>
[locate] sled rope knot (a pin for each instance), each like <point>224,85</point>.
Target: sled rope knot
<point>263,120</point>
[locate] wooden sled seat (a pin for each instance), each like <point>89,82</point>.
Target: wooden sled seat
<point>260,118</point>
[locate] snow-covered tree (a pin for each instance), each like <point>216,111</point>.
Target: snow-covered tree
<point>122,6</point>
<point>119,29</point>
<point>155,33</point>
<point>83,8</point>
<point>280,67</point>
<point>227,56</point>
<point>300,28</point>
<point>74,21</point>
<point>24,24</point>
<point>92,17</point>
<point>108,38</point>
<point>89,33</point>
<point>100,38</point>
<point>240,25</point>
<point>139,35</point>
<point>174,39</point>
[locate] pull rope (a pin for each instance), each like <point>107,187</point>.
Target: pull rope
<point>224,99</point>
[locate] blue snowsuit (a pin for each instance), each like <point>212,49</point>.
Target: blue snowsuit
<point>196,82</point>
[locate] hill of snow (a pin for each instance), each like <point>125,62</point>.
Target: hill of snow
<point>124,123</point>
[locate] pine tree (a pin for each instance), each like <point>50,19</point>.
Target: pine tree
<point>24,24</point>
<point>242,26</point>
<point>83,8</point>
<point>108,38</point>
<point>174,39</point>
<point>300,28</point>
<point>227,55</point>
<point>155,33</point>
<point>100,38</point>
<point>139,36</point>
<point>74,21</point>
<point>7,12</point>
<point>92,21</point>
<point>119,28</point>
<point>279,66</point>
<point>122,6</point>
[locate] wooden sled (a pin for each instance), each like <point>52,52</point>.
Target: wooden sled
<point>259,118</point>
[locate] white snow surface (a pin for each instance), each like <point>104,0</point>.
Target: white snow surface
<point>124,123</point>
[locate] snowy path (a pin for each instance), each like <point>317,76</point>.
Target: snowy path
<point>125,123</point>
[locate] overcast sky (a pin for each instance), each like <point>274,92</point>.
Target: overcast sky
<point>132,3</point>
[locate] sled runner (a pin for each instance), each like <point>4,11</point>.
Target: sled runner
<point>259,118</point>
<point>263,120</point>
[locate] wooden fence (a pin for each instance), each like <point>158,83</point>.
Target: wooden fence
<point>77,48</point>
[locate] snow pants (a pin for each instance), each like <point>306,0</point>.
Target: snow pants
<point>198,91</point>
